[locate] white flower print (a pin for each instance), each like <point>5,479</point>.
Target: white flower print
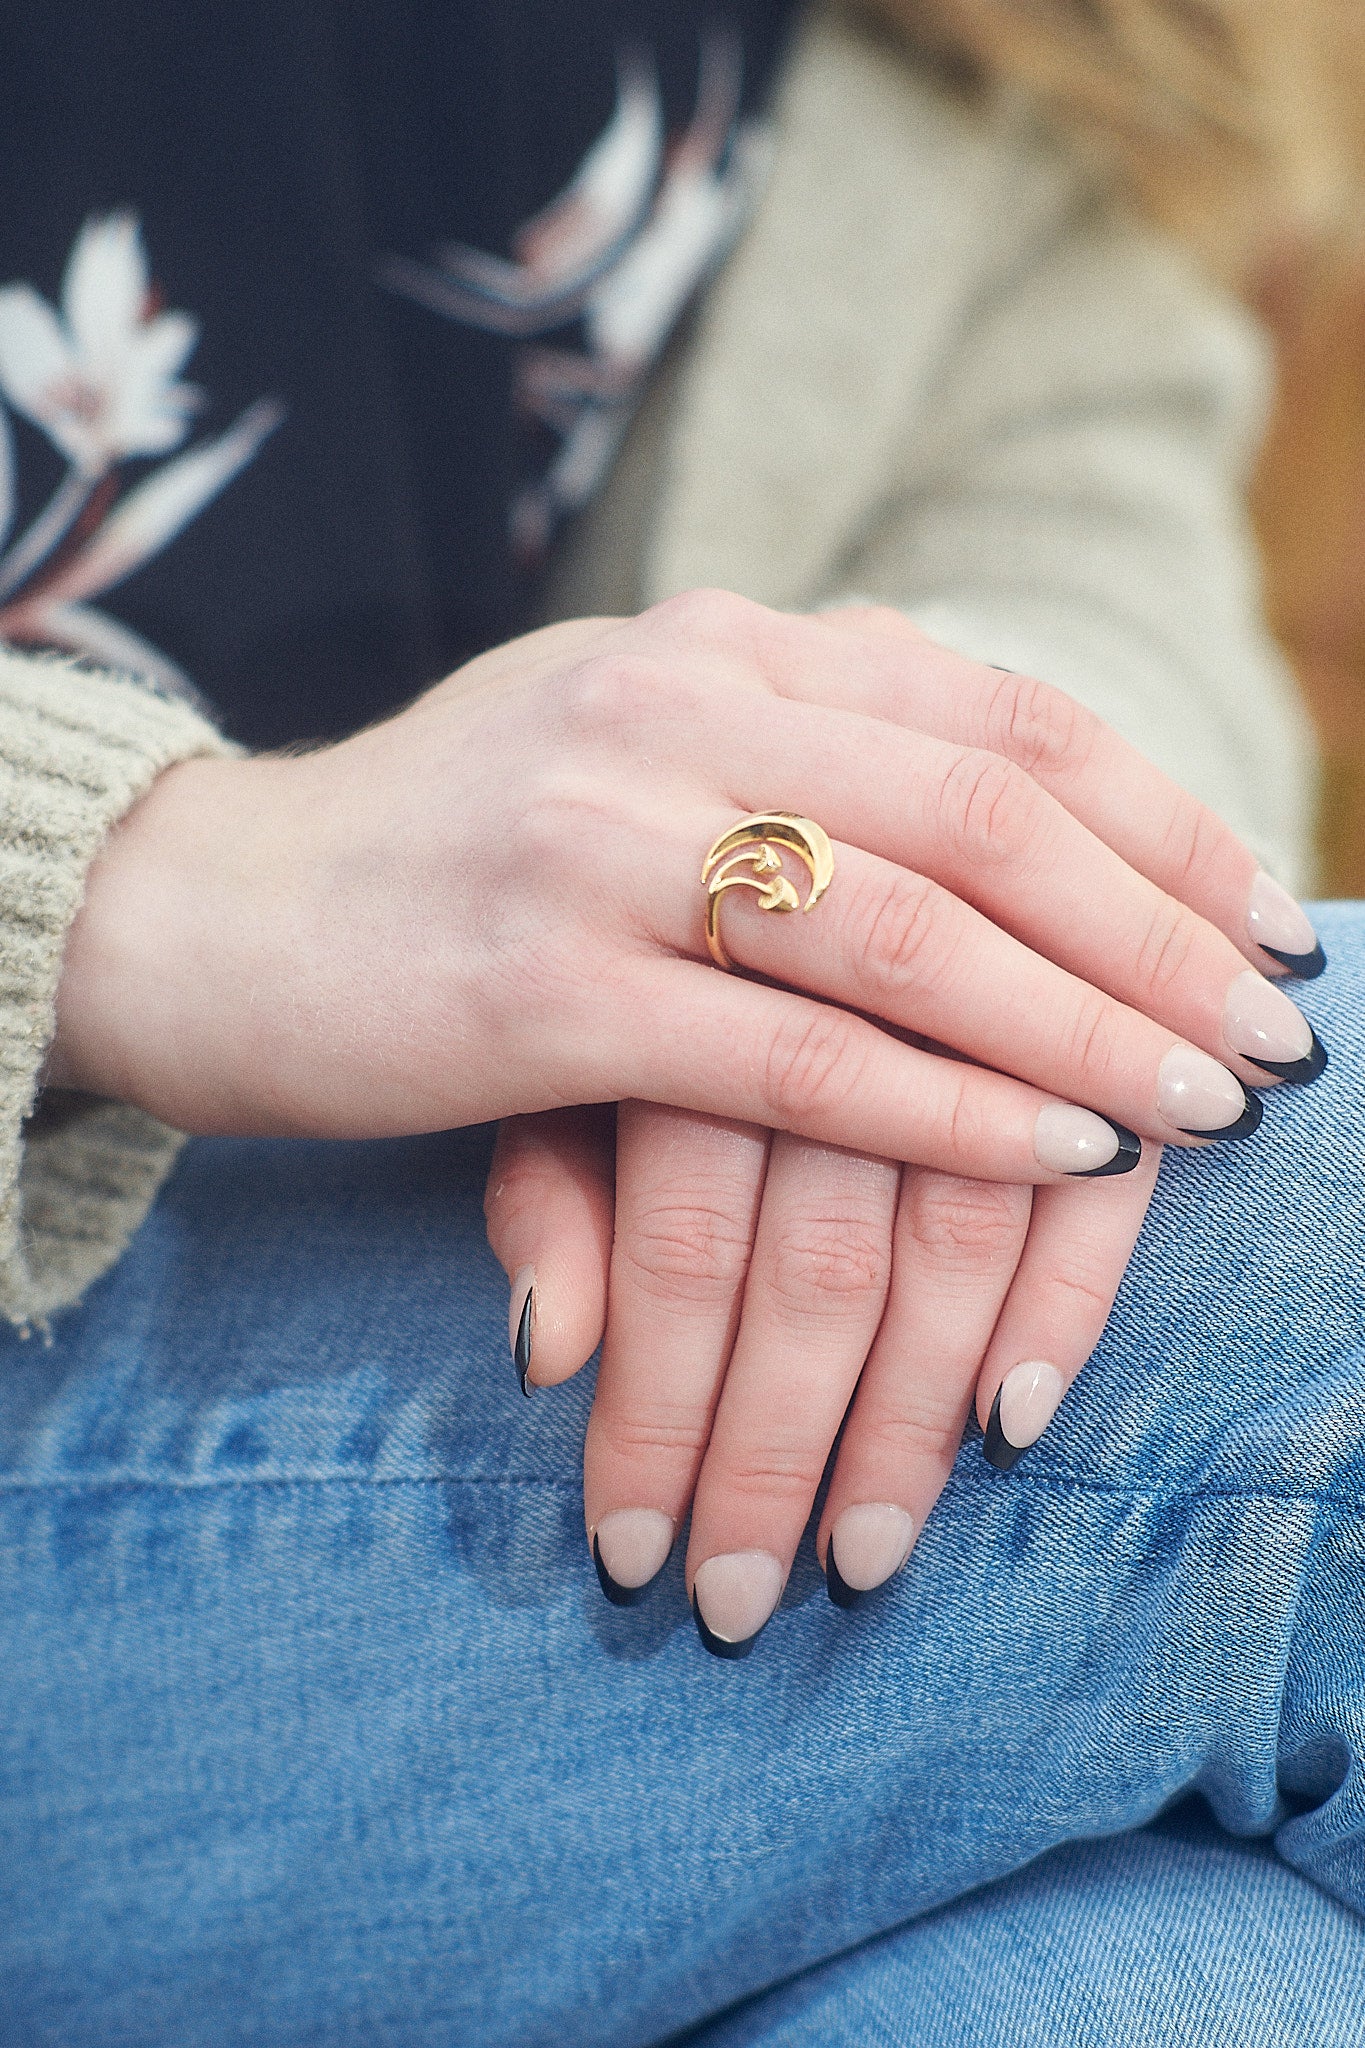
<point>622,250</point>
<point>561,251</point>
<point>101,382</point>
<point>100,379</point>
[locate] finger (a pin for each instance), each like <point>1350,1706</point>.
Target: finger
<point>990,836</point>
<point>817,736</point>
<point>957,1246</point>
<point>814,1297</point>
<point>899,947</point>
<point>548,1207</point>
<point>740,1051</point>
<point>892,744</point>
<point>898,674</point>
<point>1076,1255</point>
<point>687,1198</point>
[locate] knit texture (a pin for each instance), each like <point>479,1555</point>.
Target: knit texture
<point>77,749</point>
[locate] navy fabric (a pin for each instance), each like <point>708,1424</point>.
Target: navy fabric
<point>314,1726</point>
<point>275,152</point>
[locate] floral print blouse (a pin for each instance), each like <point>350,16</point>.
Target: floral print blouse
<point>319,321</point>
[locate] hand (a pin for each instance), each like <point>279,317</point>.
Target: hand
<point>761,1295</point>
<point>490,905</point>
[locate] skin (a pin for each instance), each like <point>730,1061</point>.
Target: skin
<point>490,907</point>
<point>754,1294</point>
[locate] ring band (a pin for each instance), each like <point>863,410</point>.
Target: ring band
<point>754,844</point>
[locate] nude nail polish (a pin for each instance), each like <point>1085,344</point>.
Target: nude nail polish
<point>630,1547</point>
<point>1202,1099</point>
<point>522,1324</point>
<point>1280,927</point>
<point>1077,1141</point>
<point>733,1598</point>
<point>1261,1023</point>
<point>1028,1399</point>
<point>867,1546</point>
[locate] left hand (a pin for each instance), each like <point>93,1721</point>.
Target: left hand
<point>759,1292</point>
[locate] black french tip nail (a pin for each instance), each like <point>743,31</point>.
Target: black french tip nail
<point>1298,1071</point>
<point>717,1645</point>
<point>840,1592</point>
<point>1124,1160</point>
<point>1246,1126</point>
<point>521,1350</point>
<point>619,1596</point>
<point>996,1447</point>
<point>1306,966</point>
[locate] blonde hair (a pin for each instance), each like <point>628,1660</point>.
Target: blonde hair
<point>1239,123</point>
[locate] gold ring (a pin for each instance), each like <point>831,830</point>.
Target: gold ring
<point>753,844</point>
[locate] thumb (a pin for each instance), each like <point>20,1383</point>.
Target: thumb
<point>549,1209</point>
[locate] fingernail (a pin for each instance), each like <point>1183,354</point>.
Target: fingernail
<point>1279,926</point>
<point>630,1547</point>
<point>867,1546</point>
<point>1078,1142</point>
<point>733,1597</point>
<point>522,1323</point>
<point>1261,1023</point>
<point>1203,1099</point>
<point>1022,1410</point>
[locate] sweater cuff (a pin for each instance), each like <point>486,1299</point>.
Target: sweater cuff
<point>77,750</point>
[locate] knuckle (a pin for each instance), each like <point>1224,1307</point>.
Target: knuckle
<point>878,618</point>
<point>1085,1290</point>
<point>513,1195</point>
<point>635,1434</point>
<point>704,616</point>
<point>1164,956</point>
<point>968,1127</point>
<point>1042,729</point>
<point>1193,847</point>
<point>1089,1042</point>
<point>569,821</point>
<point>812,1066</point>
<point>784,1472</point>
<point>612,694</point>
<point>927,1431</point>
<point>966,1226</point>
<point>989,807</point>
<point>822,1264</point>
<point>562,807</point>
<point>903,941</point>
<point>688,1251</point>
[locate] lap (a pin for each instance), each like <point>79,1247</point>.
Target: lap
<point>311,1712</point>
<point>1176,1934</point>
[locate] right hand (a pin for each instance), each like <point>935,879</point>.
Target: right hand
<point>757,1299</point>
<point>490,905</point>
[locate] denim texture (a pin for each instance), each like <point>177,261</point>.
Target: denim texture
<point>314,1727</point>
<point>1176,1937</point>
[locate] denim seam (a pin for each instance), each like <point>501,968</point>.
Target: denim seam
<point>225,1482</point>
<point>228,1482</point>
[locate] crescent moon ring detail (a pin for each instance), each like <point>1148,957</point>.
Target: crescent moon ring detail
<point>749,856</point>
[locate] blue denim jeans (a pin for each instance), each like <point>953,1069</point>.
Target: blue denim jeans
<point>314,1727</point>
<point>1173,1937</point>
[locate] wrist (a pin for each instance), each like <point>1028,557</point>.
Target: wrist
<point>147,1009</point>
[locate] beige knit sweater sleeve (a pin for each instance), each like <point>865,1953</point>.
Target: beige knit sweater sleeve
<point>77,749</point>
